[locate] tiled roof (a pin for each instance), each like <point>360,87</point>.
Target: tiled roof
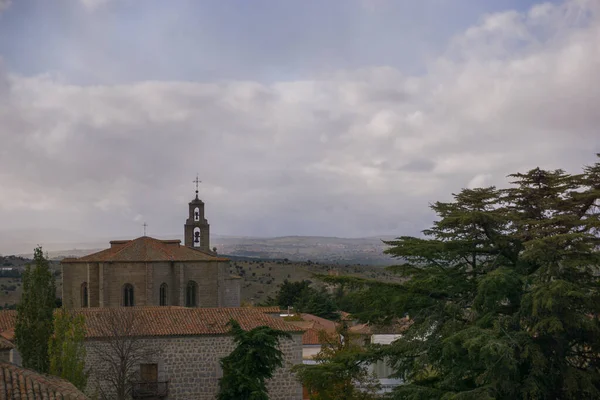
<point>320,323</point>
<point>8,334</point>
<point>346,316</point>
<point>268,310</point>
<point>147,249</point>
<point>312,326</point>
<point>176,321</point>
<point>7,319</point>
<point>311,337</point>
<point>25,384</point>
<point>398,327</point>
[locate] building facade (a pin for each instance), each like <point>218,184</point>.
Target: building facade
<point>173,352</point>
<point>187,367</point>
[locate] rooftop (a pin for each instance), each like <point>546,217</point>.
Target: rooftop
<point>166,321</point>
<point>313,325</point>
<point>25,384</point>
<point>146,249</point>
<point>398,327</point>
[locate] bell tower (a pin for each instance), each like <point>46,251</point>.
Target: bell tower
<point>196,228</point>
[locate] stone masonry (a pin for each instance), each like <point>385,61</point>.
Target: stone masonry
<point>215,288</point>
<point>191,366</point>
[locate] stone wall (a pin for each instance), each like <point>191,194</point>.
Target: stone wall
<point>191,365</point>
<point>231,292</point>
<point>73,275</point>
<point>116,275</point>
<point>164,273</point>
<point>206,276</point>
<point>106,281</point>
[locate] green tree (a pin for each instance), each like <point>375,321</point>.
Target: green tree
<point>67,349</point>
<point>253,361</point>
<point>503,291</point>
<point>290,292</point>
<point>33,326</point>
<point>304,298</point>
<point>317,302</point>
<point>340,373</point>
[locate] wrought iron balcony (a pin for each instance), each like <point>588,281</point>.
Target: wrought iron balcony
<point>144,390</point>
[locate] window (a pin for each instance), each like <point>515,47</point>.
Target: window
<point>190,294</point>
<point>128,299</point>
<point>197,214</point>
<point>84,294</point>
<point>164,289</point>
<point>149,372</point>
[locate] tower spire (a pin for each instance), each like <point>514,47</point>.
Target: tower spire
<point>197,181</point>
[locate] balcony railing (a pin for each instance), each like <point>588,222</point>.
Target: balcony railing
<point>142,390</point>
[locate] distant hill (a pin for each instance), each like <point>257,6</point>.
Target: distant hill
<point>331,250</point>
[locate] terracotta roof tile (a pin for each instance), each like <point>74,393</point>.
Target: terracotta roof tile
<point>175,321</point>
<point>398,327</point>
<point>268,310</point>
<point>346,316</point>
<point>320,323</point>
<point>7,319</point>
<point>311,336</point>
<point>313,325</point>
<point>25,384</point>
<point>146,249</point>
<point>8,334</point>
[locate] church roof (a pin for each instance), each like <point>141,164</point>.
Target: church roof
<point>170,321</point>
<point>23,383</point>
<point>146,249</point>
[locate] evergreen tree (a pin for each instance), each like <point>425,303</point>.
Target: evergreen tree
<point>290,292</point>
<point>317,302</point>
<point>33,326</point>
<point>253,361</point>
<point>306,299</point>
<point>67,349</point>
<point>503,291</point>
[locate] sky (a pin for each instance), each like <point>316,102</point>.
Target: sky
<point>325,118</point>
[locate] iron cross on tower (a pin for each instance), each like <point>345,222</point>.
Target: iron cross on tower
<point>197,181</point>
<point>145,226</point>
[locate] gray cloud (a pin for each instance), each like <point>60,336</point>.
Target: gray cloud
<point>359,152</point>
<point>4,4</point>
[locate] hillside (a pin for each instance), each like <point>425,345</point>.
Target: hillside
<point>330,250</point>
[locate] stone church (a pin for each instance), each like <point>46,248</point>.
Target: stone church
<point>172,303</point>
<point>151,272</point>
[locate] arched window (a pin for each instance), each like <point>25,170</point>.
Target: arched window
<point>197,237</point>
<point>164,289</point>
<point>197,214</point>
<point>128,299</point>
<point>84,294</point>
<point>190,294</point>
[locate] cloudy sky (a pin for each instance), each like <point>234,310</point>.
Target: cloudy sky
<point>337,118</point>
